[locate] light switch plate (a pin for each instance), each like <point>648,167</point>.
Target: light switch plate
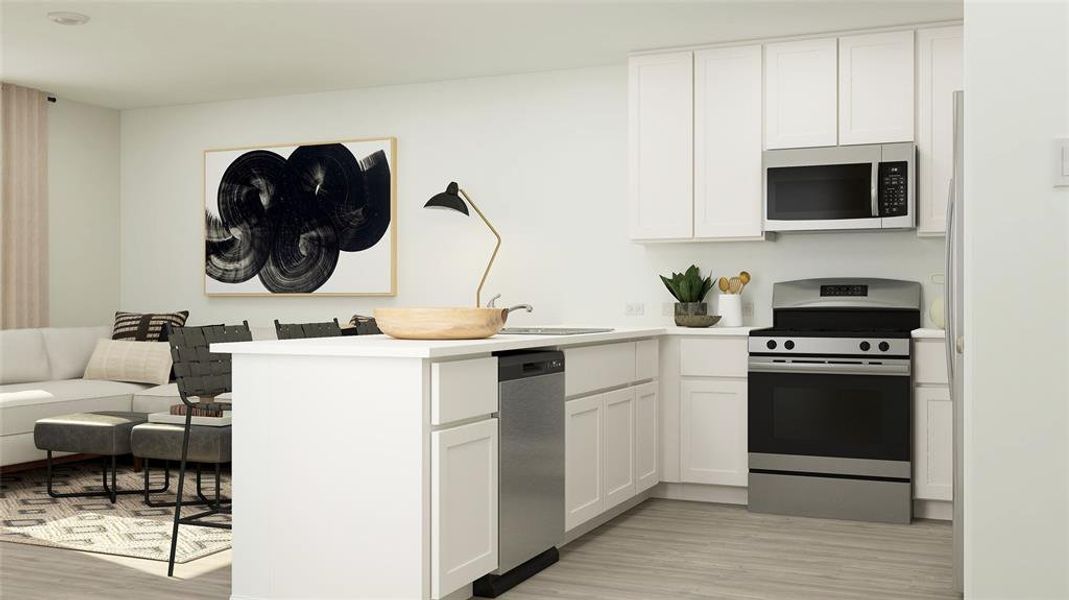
<point>1061,162</point>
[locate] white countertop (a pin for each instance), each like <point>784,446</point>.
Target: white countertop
<point>925,333</point>
<point>708,331</point>
<point>387,347</point>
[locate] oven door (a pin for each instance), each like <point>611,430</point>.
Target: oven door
<point>822,188</point>
<point>836,409</point>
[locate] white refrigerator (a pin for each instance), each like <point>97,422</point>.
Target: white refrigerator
<point>955,330</point>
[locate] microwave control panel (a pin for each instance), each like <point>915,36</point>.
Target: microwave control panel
<point>893,189</point>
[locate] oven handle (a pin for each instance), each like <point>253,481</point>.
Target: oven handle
<point>895,367</point>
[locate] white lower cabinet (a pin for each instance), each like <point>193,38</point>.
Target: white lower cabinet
<point>583,497</point>
<point>464,497</point>
<point>713,431</point>
<point>647,457</point>
<point>933,443</point>
<point>618,443</point>
<point>611,450</point>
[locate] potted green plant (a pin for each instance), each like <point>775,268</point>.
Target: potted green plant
<point>689,290</point>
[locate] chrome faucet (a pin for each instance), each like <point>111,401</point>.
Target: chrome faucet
<point>526,307</point>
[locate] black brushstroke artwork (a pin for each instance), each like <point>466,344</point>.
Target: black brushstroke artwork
<point>288,220</point>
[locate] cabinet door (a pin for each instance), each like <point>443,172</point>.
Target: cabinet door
<point>661,140</point>
<point>618,446</point>
<point>713,422</point>
<point>933,443</point>
<point>876,88</point>
<point>647,424</point>
<point>800,94</point>
<point>463,505</point>
<point>727,143</point>
<point>582,460</point>
<point>939,75</point>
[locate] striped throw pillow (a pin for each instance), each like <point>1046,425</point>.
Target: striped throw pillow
<point>137,362</point>
<point>146,327</point>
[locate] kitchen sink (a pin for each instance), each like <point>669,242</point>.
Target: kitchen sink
<point>551,330</point>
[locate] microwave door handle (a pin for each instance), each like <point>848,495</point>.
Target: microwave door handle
<point>874,188</point>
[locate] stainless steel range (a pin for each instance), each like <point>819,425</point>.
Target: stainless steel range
<point>829,400</point>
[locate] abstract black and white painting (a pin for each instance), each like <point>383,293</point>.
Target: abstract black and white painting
<point>302,219</point>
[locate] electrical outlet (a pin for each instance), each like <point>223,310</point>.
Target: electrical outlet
<point>634,309</point>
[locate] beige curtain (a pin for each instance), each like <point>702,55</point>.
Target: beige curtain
<point>23,208</point>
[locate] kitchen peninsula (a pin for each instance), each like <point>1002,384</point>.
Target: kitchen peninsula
<point>366,467</point>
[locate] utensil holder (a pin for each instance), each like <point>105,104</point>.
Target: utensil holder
<point>730,308</point>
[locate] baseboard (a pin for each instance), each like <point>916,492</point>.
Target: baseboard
<point>941,510</point>
<point>581,530</point>
<point>700,492</point>
<point>464,593</point>
<point>40,464</point>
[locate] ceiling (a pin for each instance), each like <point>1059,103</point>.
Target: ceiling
<point>135,54</point>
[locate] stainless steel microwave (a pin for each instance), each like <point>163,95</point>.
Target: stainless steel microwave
<point>841,187</point>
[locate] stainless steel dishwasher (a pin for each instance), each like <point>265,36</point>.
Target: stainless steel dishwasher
<point>530,467</point>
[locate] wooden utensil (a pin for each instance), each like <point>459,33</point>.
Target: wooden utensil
<point>734,285</point>
<point>744,278</point>
<point>724,284</point>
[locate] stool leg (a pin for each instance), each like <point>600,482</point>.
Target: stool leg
<point>48,461</point>
<point>178,500</point>
<point>114,471</point>
<point>145,467</point>
<point>218,483</point>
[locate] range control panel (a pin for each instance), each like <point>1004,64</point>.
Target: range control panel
<point>848,290</point>
<point>893,189</point>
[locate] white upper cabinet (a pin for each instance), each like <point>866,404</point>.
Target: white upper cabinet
<point>727,143</point>
<point>876,88</point>
<point>939,68</point>
<point>800,94</point>
<point>661,145</point>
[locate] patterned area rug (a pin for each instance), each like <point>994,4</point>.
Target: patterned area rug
<point>28,515</point>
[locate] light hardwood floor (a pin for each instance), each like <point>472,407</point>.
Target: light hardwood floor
<point>661,549</point>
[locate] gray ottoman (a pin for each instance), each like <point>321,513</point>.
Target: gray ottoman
<point>163,441</point>
<point>106,433</point>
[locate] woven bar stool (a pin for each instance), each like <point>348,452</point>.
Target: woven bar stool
<point>202,377</point>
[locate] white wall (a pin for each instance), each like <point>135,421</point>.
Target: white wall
<point>83,213</point>
<point>544,155</point>
<point>1017,270</point>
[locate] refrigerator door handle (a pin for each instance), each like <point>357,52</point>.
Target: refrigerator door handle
<point>949,284</point>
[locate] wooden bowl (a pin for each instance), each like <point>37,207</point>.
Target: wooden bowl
<point>440,323</point>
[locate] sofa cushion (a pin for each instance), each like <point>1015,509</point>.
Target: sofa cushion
<point>69,348</point>
<point>21,404</point>
<point>263,333</point>
<point>161,398</point>
<point>138,362</point>
<point>23,356</point>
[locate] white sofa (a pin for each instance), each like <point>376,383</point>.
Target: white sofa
<point>41,376</point>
